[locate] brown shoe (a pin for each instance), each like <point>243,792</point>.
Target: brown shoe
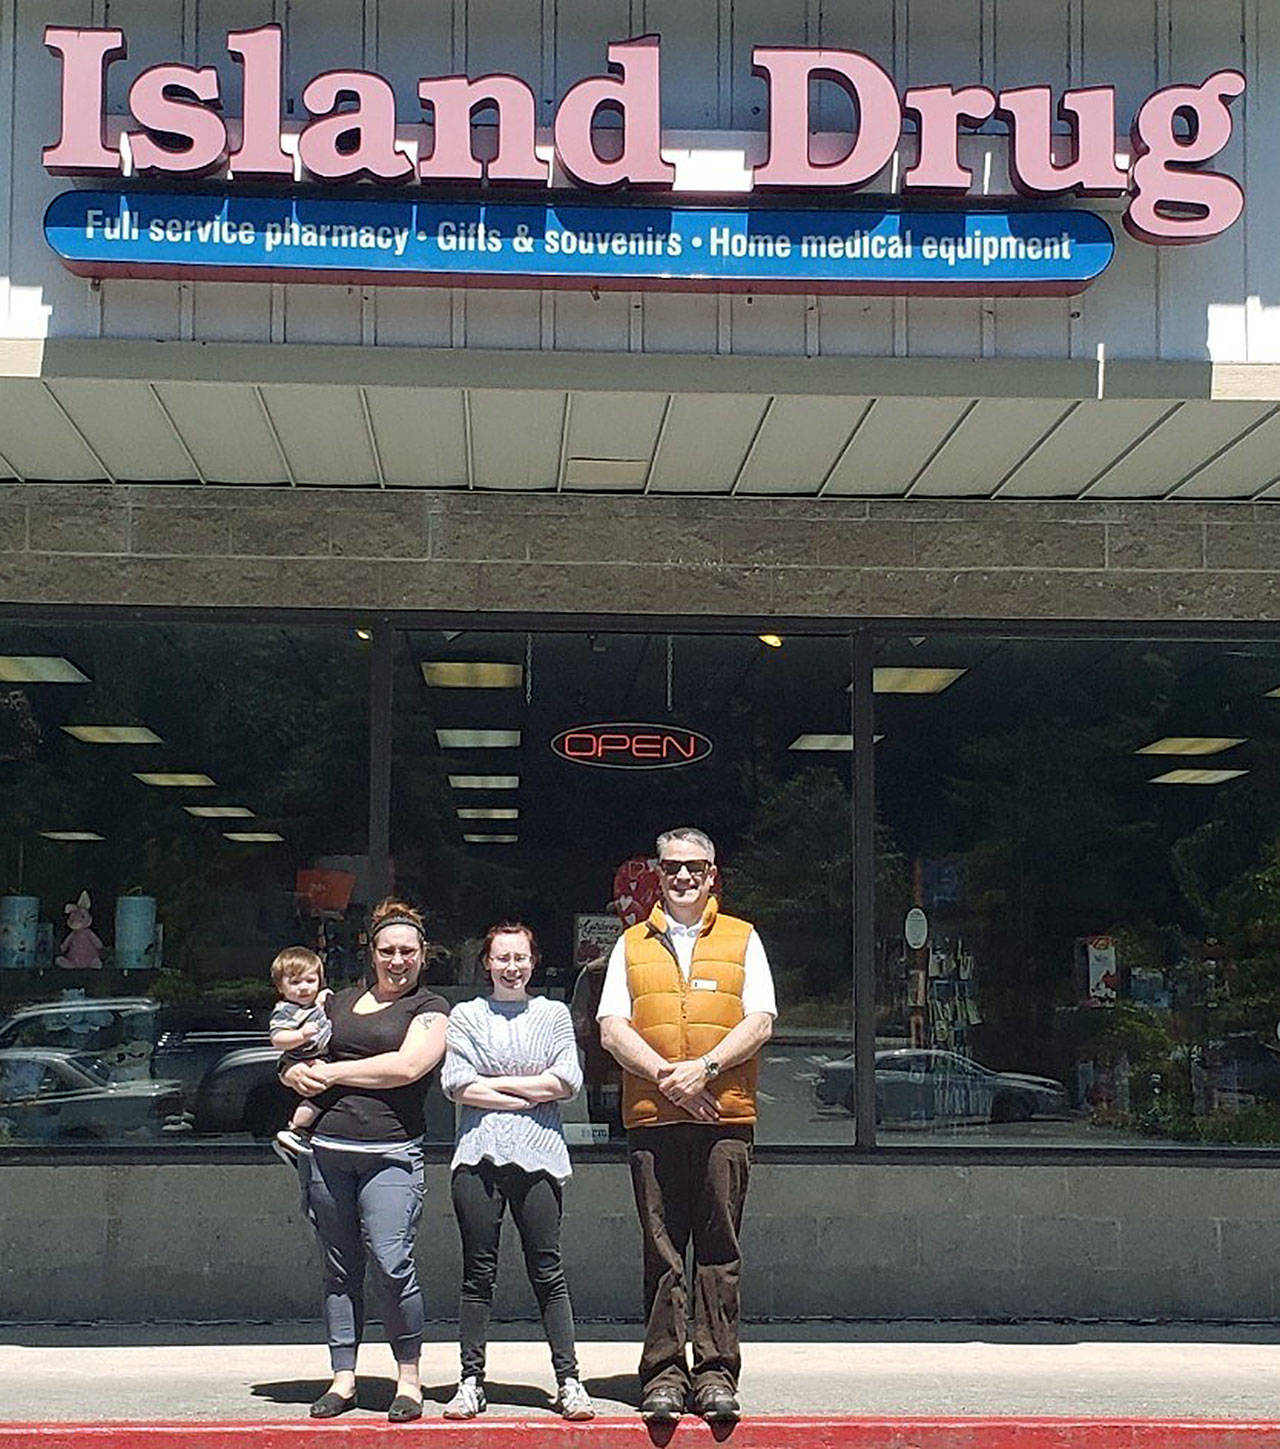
<point>662,1406</point>
<point>717,1405</point>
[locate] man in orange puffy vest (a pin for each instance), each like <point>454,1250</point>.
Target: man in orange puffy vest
<point>687,1003</point>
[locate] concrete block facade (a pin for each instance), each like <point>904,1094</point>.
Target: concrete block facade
<point>841,1240</point>
<point>374,550</point>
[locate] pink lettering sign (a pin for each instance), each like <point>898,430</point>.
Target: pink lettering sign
<point>1170,202</point>
<point>633,96</point>
<point>175,127</point>
<point>453,100</point>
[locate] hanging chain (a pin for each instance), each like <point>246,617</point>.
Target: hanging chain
<point>671,665</point>
<point>528,668</point>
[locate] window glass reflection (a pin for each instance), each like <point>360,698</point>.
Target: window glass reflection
<point>1084,833</point>
<point>177,801</point>
<point>532,773</point>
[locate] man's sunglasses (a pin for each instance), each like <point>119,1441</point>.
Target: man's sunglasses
<point>698,869</point>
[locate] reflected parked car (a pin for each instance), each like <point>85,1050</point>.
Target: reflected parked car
<point>48,1095</point>
<point>929,1085</point>
<point>241,1092</point>
<point>134,1038</point>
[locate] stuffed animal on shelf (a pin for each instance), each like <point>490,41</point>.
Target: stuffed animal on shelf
<point>80,950</point>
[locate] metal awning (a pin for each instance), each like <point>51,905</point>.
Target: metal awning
<point>291,415</point>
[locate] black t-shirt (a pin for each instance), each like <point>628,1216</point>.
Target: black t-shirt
<point>374,1114</point>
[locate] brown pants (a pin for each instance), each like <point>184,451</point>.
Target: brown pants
<point>690,1181</point>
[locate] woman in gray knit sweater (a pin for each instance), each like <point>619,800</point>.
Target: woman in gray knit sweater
<point>510,1060</point>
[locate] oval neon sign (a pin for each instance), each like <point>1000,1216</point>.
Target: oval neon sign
<point>631,746</point>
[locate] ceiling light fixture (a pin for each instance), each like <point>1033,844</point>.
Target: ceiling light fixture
<point>485,782</point>
<point>913,681</point>
<point>472,674</point>
<point>774,641</point>
<point>113,734</point>
<point>173,779</point>
<point>1191,745</point>
<point>219,812</point>
<point>253,837</point>
<point>496,812</point>
<point>821,742</point>
<point>455,739</point>
<point>1197,777</point>
<point>827,742</point>
<point>491,839</point>
<point>364,635</point>
<point>70,835</point>
<point>39,669</point>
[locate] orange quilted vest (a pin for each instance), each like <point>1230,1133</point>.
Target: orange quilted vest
<point>682,1019</point>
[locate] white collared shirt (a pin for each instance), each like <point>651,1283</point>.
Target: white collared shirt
<point>757,980</point>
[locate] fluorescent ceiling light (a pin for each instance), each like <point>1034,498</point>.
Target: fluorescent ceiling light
<point>72,835</point>
<point>485,782</point>
<point>39,669</point>
<point>827,742</point>
<point>497,812</point>
<point>774,641</point>
<point>1190,745</point>
<point>113,734</point>
<point>252,837</point>
<point>177,780</point>
<point>913,681</point>
<point>1197,777</point>
<point>477,739</point>
<point>471,674</point>
<point>821,742</point>
<point>491,839</point>
<point>220,812</point>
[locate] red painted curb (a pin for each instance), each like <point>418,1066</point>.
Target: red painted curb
<point>757,1433</point>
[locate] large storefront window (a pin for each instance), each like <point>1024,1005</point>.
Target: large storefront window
<point>1079,935</point>
<point>526,787</point>
<point>1075,883</point>
<point>177,802</point>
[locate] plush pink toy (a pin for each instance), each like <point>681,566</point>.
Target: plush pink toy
<point>80,950</point>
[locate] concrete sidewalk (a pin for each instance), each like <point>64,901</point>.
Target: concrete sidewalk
<point>902,1371</point>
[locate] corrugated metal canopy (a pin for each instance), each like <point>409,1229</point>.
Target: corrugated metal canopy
<point>709,428</point>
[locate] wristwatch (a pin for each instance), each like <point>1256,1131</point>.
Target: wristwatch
<point>711,1067</point>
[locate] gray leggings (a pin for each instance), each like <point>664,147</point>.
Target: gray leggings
<point>367,1205</point>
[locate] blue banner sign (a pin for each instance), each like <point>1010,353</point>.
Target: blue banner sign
<point>495,244</point>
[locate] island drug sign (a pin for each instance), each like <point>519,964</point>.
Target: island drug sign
<point>158,221</point>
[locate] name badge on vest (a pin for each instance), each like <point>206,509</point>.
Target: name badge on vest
<point>700,983</point>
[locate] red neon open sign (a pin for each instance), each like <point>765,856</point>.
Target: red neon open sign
<point>631,746</point>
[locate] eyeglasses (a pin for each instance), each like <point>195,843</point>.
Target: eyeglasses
<point>521,958</point>
<point>698,869</point>
<point>389,953</point>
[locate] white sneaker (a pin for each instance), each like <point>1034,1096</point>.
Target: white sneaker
<point>468,1401</point>
<point>574,1402</point>
<point>289,1145</point>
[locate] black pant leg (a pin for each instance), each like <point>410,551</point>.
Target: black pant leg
<point>478,1205</point>
<point>536,1206</point>
<point>660,1179</point>
<point>722,1166</point>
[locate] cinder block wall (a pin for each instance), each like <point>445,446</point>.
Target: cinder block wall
<point>839,558</point>
<point>893,1240</point>
<point>898,1240</point>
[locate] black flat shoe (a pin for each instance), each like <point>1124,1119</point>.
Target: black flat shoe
<point>717,1406</point>
<point>330,1405</point>
<point>662,1406</point>
<point>404,1409</point>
